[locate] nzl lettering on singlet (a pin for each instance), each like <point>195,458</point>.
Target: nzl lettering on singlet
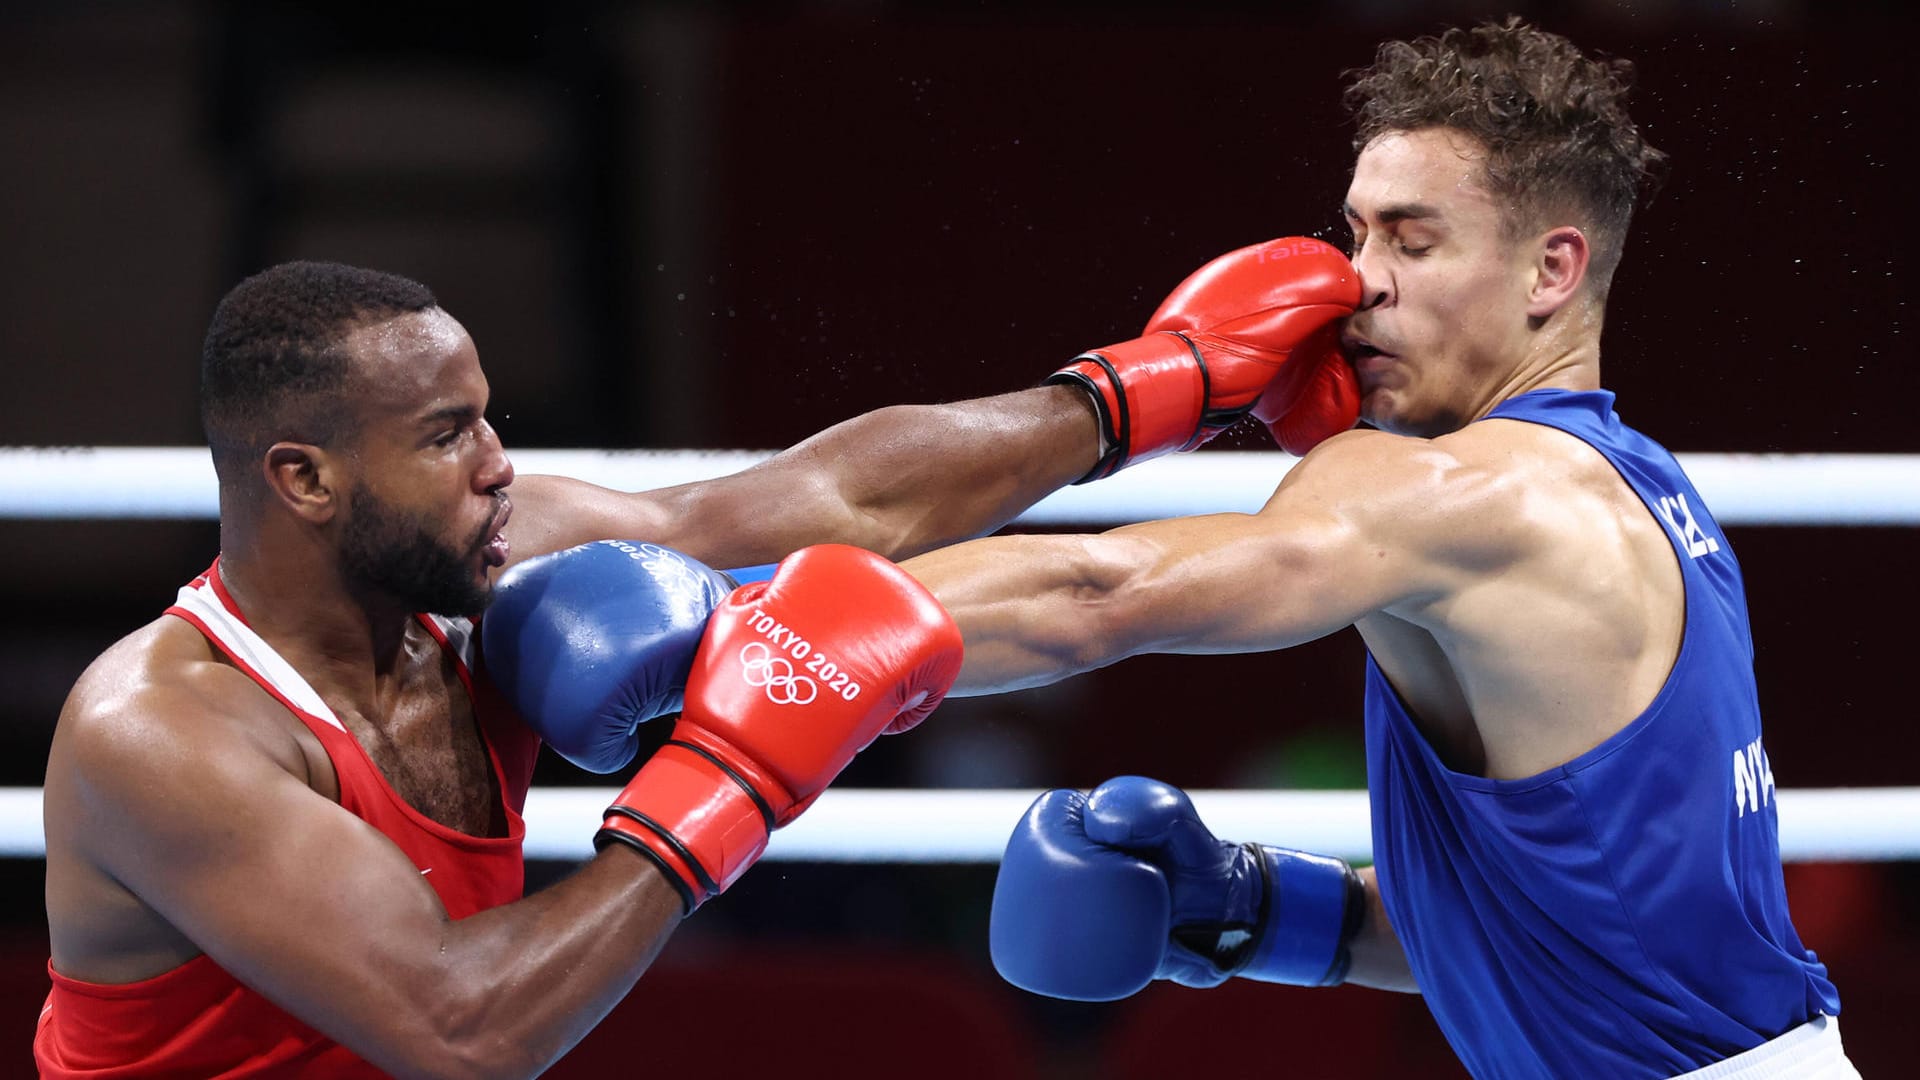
<point>1680,519</point>
<point>1752,779</point>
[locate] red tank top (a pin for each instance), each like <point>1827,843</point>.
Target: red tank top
<point>197,1020</point>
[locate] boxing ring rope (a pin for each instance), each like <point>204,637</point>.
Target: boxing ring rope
<point>943,826</point>
<point>1742,489</point>
<point>875,825</point>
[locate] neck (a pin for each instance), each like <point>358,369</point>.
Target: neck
<point>348,646</point>
<point>1564,354</point>
<point>1575,370</point>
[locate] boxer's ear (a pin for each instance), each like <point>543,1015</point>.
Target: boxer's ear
<point>1559,266</point>
<point>305,478</point>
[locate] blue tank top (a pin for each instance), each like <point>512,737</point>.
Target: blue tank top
<point>1623,914</point>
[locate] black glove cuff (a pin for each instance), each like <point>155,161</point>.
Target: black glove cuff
<point>1115,431</point>
<point>612,836</point>
<point>1350,919</point>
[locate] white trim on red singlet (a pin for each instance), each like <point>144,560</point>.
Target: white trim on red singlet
<point>459,634</point>
<point>200,599</point>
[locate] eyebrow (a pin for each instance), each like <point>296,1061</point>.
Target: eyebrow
<point>1397,212</point>
<point>448,412</point>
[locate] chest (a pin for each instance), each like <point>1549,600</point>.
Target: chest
<point>425,741</point>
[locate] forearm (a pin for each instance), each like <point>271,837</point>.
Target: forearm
<point>1379,960</point>
<point>897,481</point>
<point>519,985</point>
<point>905,479</point>
<point>1033,609</point>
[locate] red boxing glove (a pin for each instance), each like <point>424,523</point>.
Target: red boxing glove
<point>1216,344</point>
<point>793,678</point>
<point>1314,398</point>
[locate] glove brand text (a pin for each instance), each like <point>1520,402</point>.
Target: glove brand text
<point>1287,249</point>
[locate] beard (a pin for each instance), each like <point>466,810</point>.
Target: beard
<point>394,551</point>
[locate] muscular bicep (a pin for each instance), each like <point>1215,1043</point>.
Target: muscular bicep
<point>1370,523</point>
<point>280,886</point>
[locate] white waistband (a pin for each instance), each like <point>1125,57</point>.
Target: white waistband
<point>1811,1051</point>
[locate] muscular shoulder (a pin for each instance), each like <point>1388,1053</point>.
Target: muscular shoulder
<point>1457,498</point>
<point>161,693</point>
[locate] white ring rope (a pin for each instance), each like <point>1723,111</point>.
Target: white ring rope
<point>872,825</point>
<point>1742,489</point>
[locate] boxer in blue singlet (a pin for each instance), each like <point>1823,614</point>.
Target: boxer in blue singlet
<point>1576,843</point>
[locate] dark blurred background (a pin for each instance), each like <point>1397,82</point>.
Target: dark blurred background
<point>682,225</point>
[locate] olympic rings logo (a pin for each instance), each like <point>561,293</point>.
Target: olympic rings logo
<point>672,573</point>
<point>666,567</point>
<point>761,668</point>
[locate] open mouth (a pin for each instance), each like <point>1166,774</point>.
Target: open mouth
<point>495,549</point>
<point>1367,358</point>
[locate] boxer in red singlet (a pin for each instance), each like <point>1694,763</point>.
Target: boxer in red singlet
<point>283,832</point>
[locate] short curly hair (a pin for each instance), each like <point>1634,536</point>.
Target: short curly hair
<point>1552,120</point>
<point>274,363</point>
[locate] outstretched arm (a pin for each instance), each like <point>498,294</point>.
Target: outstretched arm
<point>1037,608</point>
<point>1250,331</point>
<point>896,481</point>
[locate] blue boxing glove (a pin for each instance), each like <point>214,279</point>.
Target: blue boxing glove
<point>1100,894</point>
<point>591,642</point>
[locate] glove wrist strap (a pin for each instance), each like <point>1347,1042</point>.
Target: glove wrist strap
<point>697,812</point>
<point>1313,908</point>
<point>1149,392</point>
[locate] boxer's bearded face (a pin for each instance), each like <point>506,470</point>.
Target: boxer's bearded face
<point>428,478</point>
<point>406,554</point>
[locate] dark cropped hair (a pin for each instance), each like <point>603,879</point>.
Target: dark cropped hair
<point>275,364</point>
<point>1553,122</point>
